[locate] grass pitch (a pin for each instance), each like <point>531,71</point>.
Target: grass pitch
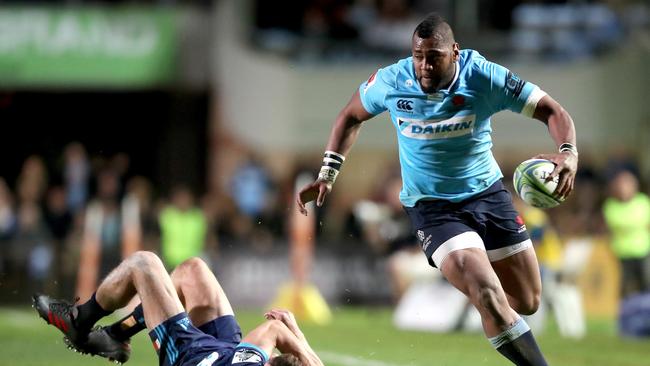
<point>356,337</point>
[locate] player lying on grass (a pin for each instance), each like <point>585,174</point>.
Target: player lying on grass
<point>190,319</point>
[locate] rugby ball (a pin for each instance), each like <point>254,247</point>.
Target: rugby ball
<point>531,185</point>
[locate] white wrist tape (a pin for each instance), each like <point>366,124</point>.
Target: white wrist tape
<point>332,162</point>
<point>328,174</point>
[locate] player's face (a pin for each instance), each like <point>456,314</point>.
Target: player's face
<point>434,62</point>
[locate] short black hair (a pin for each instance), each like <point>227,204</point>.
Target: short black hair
<point>436,26</point>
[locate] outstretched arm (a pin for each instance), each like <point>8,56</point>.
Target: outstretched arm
<point>562,130</point>
<point>275,334</point>
<point>343,135</point>
<point>287,318</point>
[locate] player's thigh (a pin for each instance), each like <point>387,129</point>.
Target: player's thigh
<point>203,296</point>
<point>155,288</point>
<point>520,277</point>
<point>469,270</point>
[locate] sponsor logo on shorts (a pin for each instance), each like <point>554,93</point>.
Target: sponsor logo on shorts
<point>521,229</point>
<point>425,242</point>
<point>184,322</point>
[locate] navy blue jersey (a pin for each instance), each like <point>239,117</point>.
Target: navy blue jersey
<point>216,343</point>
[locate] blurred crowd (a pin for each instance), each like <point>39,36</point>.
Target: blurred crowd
<point>63,227</point>
<point>348,30</point>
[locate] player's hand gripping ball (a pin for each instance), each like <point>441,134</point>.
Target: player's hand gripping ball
<point>532,184</point>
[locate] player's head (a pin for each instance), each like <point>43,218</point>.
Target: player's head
<point>285,359</point>
<point>624,185</point>
<point>435,53</point>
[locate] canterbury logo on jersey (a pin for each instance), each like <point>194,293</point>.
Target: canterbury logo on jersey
<point>405,104</point>
<point>437,129</point>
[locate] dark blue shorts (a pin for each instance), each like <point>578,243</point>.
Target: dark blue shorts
<point>487,220</point>
<point>179,343</point>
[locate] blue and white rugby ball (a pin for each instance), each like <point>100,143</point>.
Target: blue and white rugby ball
<point>531,185</point>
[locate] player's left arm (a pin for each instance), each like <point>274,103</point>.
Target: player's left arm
<point>506,90</point>
<point>562,130</point>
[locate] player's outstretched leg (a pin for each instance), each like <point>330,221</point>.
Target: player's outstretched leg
<point>470,271</point>
<point>141,273</point>
<point>199,292</point>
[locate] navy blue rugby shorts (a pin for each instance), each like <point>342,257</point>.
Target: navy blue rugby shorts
<point>488,221</point>
<point>179,343</point>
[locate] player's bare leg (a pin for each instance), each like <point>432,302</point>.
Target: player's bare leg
<point>470,271</point>
<point>142,273</point>
<point>521,280</point>
<point>200,292</point>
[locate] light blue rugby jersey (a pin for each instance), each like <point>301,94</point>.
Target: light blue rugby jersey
<point>444,138</point>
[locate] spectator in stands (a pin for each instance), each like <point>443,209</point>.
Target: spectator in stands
<point>183,228</point>
<point>382,224</point>
<point>76,172</point>
<point>627,215</point>
<point>7,223</point>
<point>30,252</point>
<point>59,222</point>
<point>393,28</point>
<point>102,237</point>
<point>139,221</point>
<point>256,197</point>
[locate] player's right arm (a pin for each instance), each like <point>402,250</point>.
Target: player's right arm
<point>288,319</point>
<point>343,135</point>
<point>366,102</point>
<point>274,334</point>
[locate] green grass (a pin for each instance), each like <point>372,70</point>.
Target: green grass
<point>356,337</point>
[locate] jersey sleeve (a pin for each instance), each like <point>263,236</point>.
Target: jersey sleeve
<point>374,90</point>
<point>247,354</point>
<point>506,90</point>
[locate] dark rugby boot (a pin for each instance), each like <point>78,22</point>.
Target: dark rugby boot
<point>60,314</point>
<point>101,343</point>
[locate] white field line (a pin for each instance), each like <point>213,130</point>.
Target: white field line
<point>349,360</point>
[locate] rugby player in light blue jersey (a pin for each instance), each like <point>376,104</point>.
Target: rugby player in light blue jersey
<point>440,102</point>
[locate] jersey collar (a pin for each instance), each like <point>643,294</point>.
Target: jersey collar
<point>453,81</point>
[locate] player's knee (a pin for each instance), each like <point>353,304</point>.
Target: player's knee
<point>145,261</point>
<point>528,305</point>
<point>190,268</point>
